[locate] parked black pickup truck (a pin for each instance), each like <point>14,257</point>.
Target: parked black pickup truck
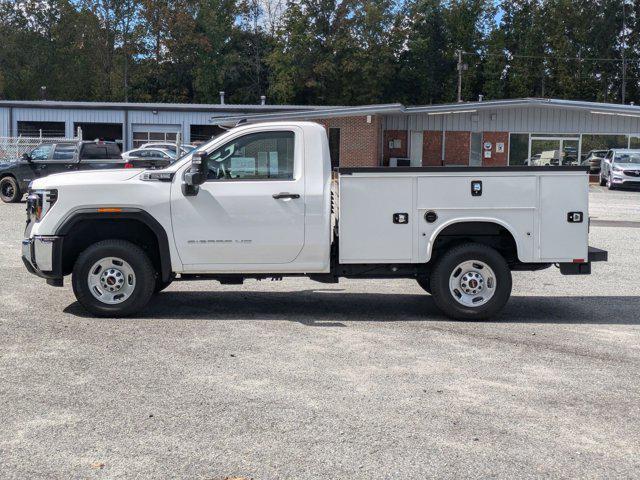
<point>49,158</point>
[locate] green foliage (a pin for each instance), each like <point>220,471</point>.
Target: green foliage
<point>342,52</point>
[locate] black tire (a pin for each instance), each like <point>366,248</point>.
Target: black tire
<point>161,285</point>
<point>10,190</point>
<point>610,184</point>
<point>602,182</point>
<point>425,283</point>
<point>145,278</point>
<point>444,269</point>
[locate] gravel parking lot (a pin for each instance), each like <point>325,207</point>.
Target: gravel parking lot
<point>299,380</point>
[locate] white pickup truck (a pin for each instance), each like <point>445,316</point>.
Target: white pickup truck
<point>260,202</point>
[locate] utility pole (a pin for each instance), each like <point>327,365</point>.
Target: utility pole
<point>461,68</point>
<point>624,48</point>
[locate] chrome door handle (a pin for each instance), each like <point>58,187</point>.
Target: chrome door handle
<point>282,195</point>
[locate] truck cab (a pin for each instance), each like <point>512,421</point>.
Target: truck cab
<point>261,202</point>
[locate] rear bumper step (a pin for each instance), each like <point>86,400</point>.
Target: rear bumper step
<point>598,255</point>
<point>595,255</point>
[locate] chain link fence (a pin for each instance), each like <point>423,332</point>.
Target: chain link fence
<point>12,148</point>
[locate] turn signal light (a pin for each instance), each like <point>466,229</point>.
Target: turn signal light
<point>109,210</point>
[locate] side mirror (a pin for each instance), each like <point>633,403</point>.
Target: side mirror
<point>196,175</point>
<point>26,156</point>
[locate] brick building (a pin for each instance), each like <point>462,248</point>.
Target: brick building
<point>491,133</point>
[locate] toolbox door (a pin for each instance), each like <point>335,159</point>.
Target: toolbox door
<point>564,217</point>
<point>376,218</point>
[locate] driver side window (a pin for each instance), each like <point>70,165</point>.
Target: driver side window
<point>41,153</point>
<point>256,156</point>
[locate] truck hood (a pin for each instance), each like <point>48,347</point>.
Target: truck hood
<point>95,177</point>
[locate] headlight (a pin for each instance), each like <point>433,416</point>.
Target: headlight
<point>617,169</point>
<point>39,202</point>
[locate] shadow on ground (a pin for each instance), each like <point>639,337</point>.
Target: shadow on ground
<point>330,307</point>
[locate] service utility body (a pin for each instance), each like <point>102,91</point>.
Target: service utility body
<point>260,201</point>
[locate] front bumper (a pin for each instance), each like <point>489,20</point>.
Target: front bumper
<point>42,256</point>
<point>623,180</point>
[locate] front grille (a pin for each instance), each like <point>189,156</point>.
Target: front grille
<point>632,173</point>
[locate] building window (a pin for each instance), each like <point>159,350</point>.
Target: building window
<point>518,148</point>
<point>602,142</point>
<point>334,147</point>
<point>41,129</point>
<point>140,138</point>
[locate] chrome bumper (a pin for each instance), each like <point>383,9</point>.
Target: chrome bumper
<point>42,256</point>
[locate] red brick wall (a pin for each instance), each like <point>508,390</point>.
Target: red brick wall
<point>432,149</point>
<point>456,148</point>
<point>401,152</point>
<point>497,159</point>
<point>359,140</point>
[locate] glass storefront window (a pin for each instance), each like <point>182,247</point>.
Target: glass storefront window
<point>602,142</point>
<point>518,148</point>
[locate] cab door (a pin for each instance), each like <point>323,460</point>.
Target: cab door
<point>41,162</point>
<point>250,211</point>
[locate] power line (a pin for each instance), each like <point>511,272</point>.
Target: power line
<point>551,57</point>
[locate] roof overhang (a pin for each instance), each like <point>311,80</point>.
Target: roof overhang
<point>332,112</point>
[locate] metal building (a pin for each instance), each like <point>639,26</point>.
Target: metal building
<point>130,124</point>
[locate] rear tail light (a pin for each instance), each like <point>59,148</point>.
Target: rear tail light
<point>128,165</point>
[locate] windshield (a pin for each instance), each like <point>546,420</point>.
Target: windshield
<point>630,157</point>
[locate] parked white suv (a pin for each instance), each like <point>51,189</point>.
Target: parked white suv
<point>257,202</point>
<point>620,168</point>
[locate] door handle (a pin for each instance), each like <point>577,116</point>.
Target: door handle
<point>282,195</point>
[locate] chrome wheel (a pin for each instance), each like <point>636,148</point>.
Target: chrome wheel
<point>111,280</point>
<point>472,283</point>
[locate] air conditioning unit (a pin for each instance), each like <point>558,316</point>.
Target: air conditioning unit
<point>399,162</point>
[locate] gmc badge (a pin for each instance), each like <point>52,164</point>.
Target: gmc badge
<point>575,217</point>
<point>476,188</point>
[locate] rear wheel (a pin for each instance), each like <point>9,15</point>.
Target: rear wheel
<point>113,278</point>
<point>10,190</point>
<point>471,282</point>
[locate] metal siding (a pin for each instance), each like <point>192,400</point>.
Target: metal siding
<point>4,122</point>
<point>526,120</point>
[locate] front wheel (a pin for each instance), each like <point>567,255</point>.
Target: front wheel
<point>10,190</point>
<point>424,282</point>
<point>471,282</point>
<point>602,182</point>
<point>113,278</point>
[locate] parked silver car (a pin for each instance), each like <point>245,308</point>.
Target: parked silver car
<point>620,167</point>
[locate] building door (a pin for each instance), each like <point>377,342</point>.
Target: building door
<point>553,151</point>
<point>415,149</point>
<point>475,153</point>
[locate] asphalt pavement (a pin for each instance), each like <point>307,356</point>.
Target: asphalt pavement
<point>299,380</point>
